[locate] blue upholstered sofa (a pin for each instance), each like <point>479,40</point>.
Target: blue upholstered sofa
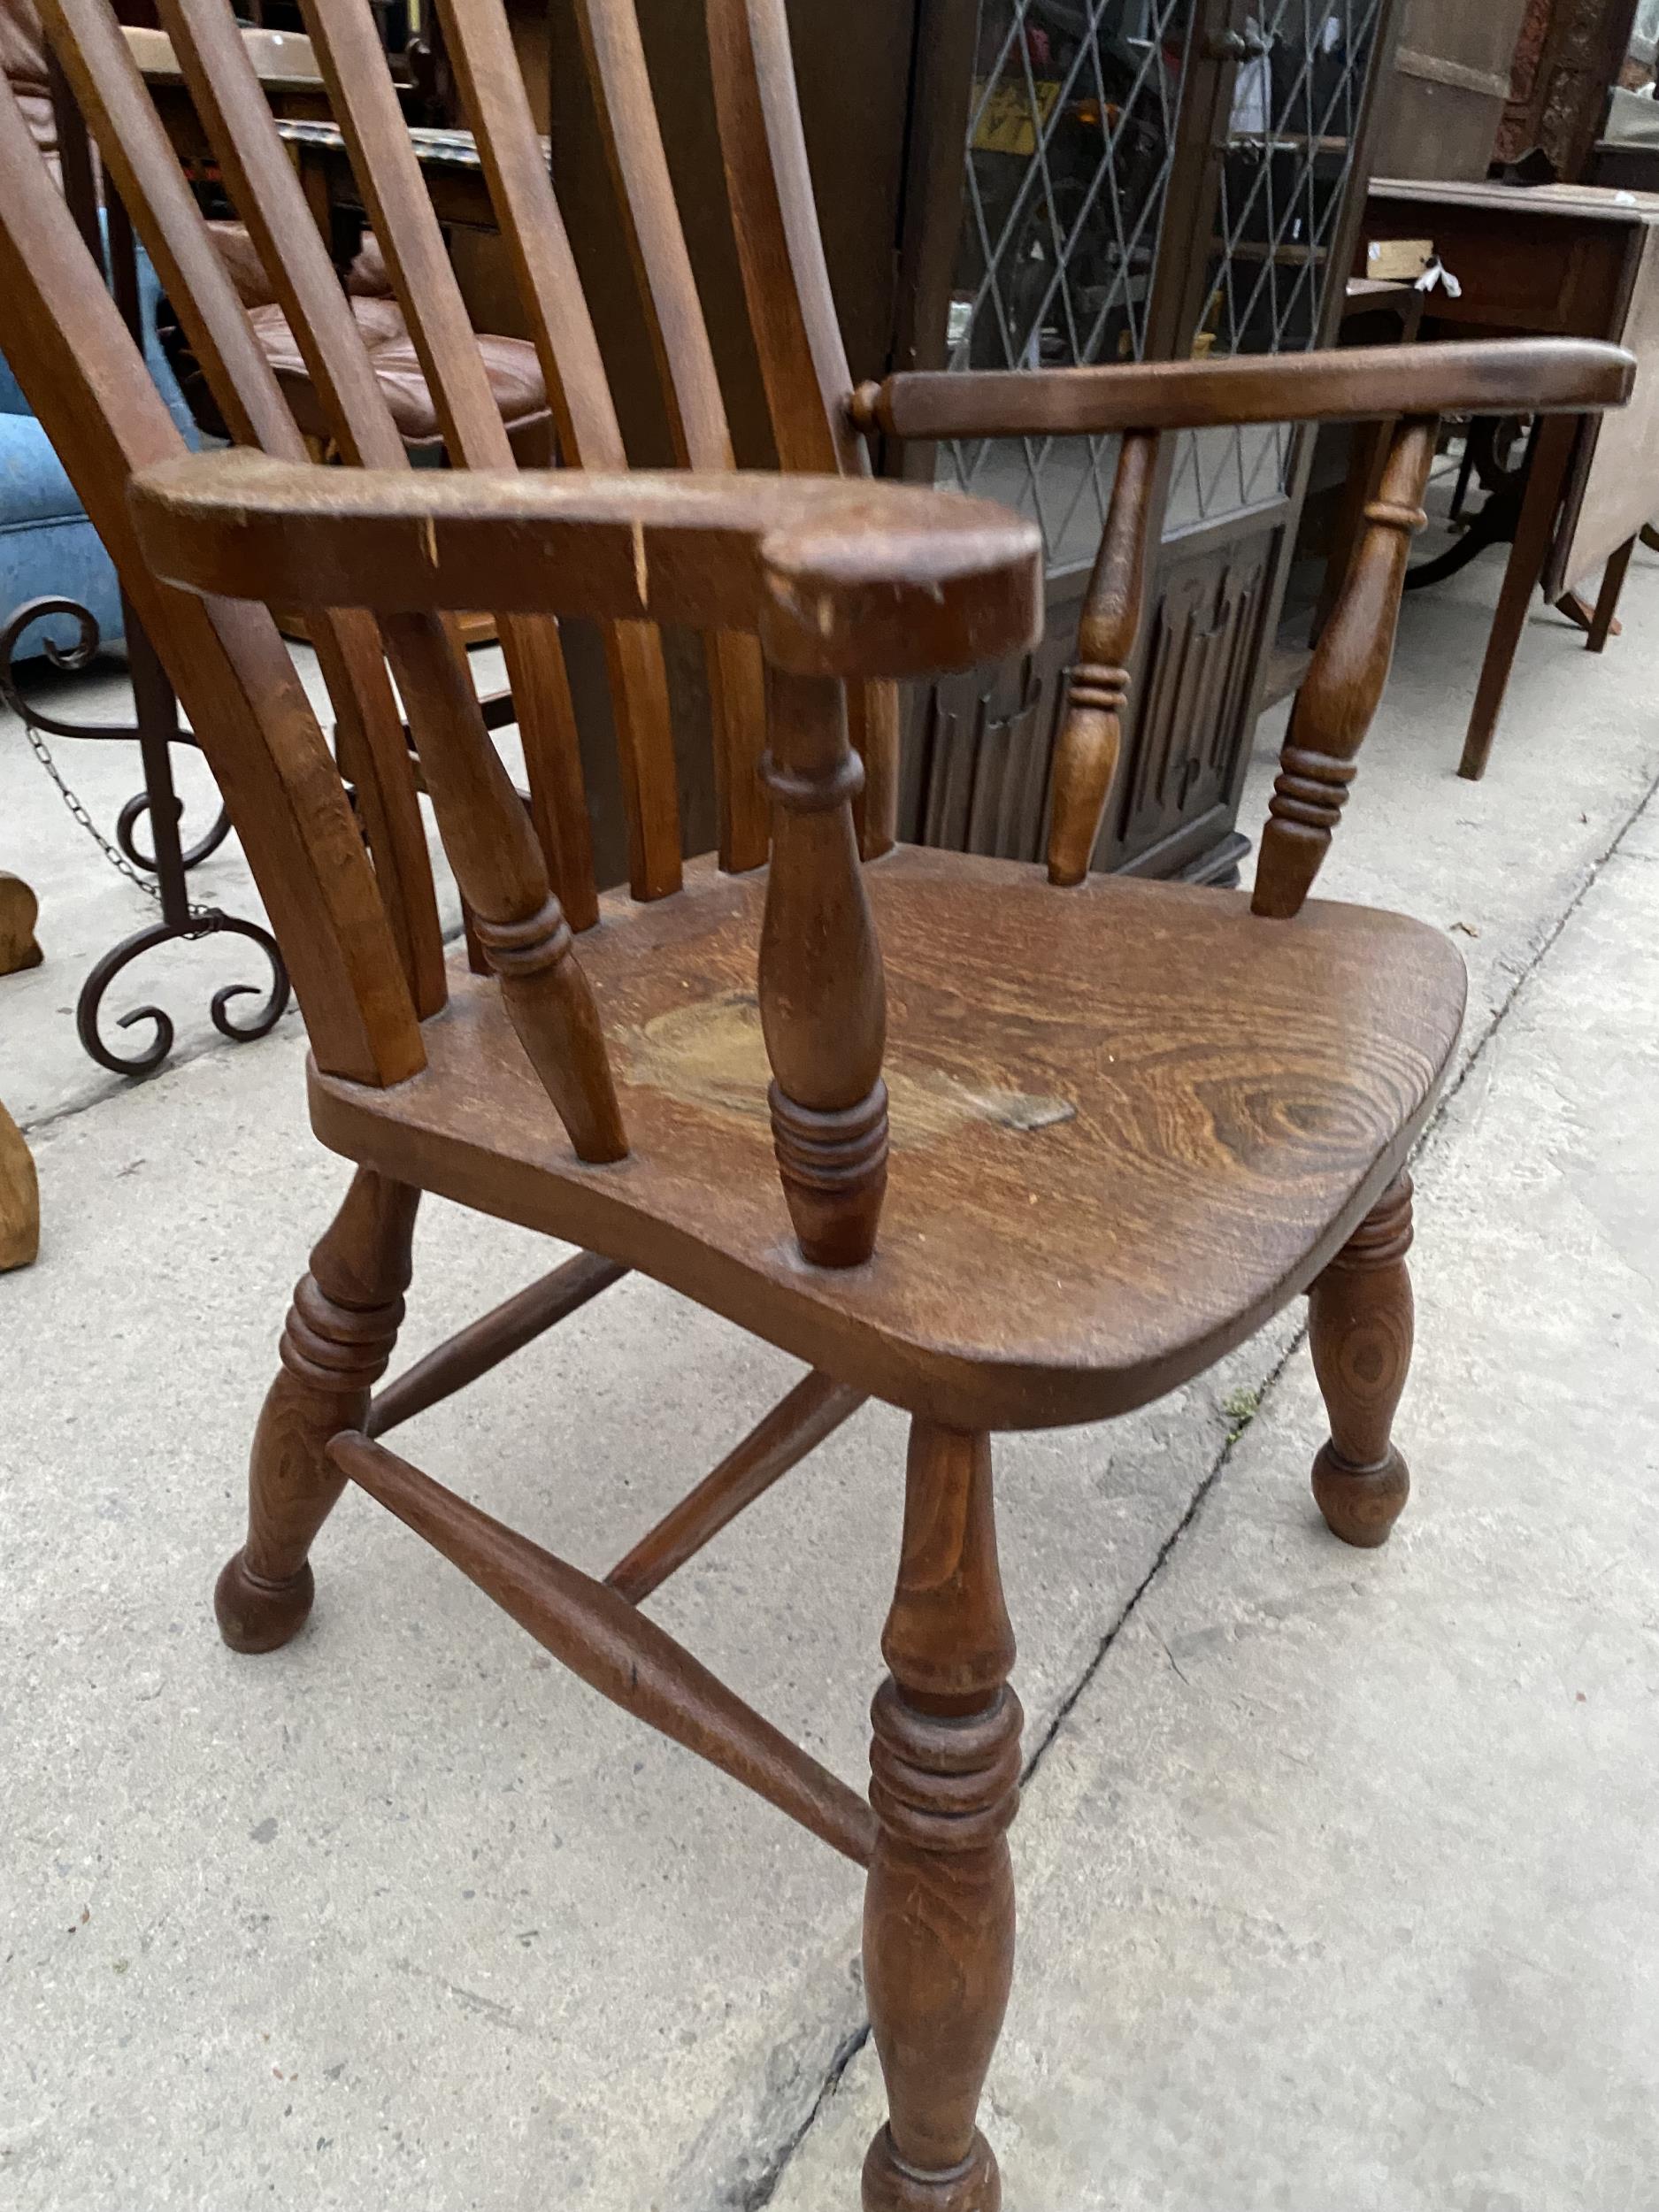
<point>47,545</point>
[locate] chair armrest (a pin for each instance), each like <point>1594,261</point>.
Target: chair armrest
<point>1537,376</point>
<point>839,579</point>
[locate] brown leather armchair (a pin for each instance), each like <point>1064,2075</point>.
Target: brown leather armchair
<point>23,64</point>
<point>511,364</point>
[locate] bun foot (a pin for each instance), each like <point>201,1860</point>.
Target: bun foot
<point>254,1615</point>
<point>1361,1504</point>
<point>890,2185</point>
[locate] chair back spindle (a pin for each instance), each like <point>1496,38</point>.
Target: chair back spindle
<point>1342,691</point>
<point>1091,736</point>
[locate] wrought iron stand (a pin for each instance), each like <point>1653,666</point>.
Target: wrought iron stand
<point>161,872</point>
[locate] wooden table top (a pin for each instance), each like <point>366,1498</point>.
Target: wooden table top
<point>1602,203</point>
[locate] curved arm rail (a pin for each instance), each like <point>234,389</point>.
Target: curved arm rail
<point>1539,376</point>
<point>840,578</point>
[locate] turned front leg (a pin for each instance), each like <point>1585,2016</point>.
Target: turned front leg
<point>938,1908</point>
<point>340,1332</point>
<point>1360,1319</point>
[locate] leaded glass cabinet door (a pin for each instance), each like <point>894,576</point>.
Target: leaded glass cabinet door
<point>1143,179</point>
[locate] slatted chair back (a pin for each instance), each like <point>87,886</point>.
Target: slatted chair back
<point>527,883</point>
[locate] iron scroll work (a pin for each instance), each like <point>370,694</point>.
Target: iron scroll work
<point>162,872</point>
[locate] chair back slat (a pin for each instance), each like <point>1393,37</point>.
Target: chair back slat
<point>86,382</point>
<point>785,278</point>
<point>104,76</point>
<point>271,204</point>
<point>479,46</point>
<point>365,104</point>
<point>792,313</point>
<point>626,108</point>
<point>500,864</point>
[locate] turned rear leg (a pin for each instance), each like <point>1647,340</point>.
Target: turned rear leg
<point>1360,1324</point>
<point>939,1910</point>
<point>340,1330</point>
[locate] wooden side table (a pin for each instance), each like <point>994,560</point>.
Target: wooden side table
<point>1574,261</point>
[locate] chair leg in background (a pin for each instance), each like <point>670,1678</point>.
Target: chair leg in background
<point>938,1908</point>
<point>1360,1321</point>
<point>340,1330</point>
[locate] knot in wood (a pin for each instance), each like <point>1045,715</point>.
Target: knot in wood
<point>1310,788</point>
<point>837,1153</point>
<point>1104,689</point>
<point>1384,1235</point>
<point>334,1346</point>
<point>518,949</point>
<point>940,1784</point>
<point>805,793</point>
<point>1390,514</point>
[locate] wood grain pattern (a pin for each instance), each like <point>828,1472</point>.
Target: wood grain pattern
<point>479,44</point>
<point>1221,1100</point>
<point>1360,1325</point>
<point>939,1905</point>
<point>1343,687</point>
<point>792,314</point>
<point>270,200</point>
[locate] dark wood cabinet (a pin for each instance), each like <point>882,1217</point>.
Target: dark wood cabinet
<point>1143,179</point>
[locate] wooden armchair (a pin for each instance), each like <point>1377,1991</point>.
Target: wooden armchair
<point>1112,1127</point>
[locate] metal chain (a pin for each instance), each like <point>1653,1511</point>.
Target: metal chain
<point>117,859</point>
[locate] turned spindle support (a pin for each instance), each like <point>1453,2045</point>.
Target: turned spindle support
<point>513,913</point>
<point>939,1906</point>
<point>1361,1324</point>
<point>823,1000</point>
<point>340,1332</point>
<point>1343,685</point>
<point>1091,738</point>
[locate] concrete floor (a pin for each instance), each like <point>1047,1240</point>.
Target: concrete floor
<point>1338,1887</point>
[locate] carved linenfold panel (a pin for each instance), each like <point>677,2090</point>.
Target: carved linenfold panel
<point>980,780</point>
<point>979,758</point>
<point>1195,693</point>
